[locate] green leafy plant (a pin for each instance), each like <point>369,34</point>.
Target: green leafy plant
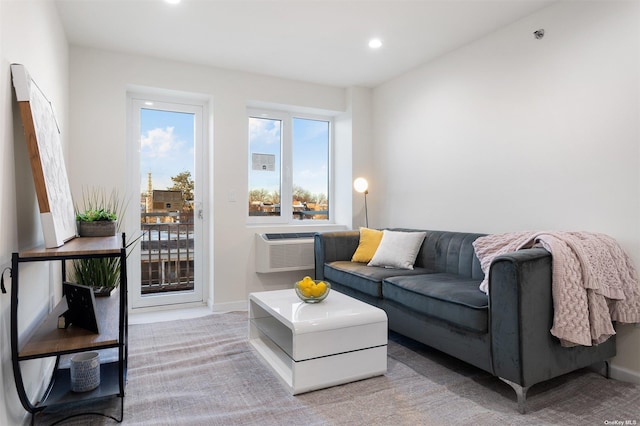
<point>96,215</point>
<point>98,205</point>
<point>99,272</point>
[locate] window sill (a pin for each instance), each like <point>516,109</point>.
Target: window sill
<point>294,227</point>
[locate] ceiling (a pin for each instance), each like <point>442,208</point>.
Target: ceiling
<point>315,41</point>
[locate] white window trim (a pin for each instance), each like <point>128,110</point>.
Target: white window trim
<point>286,172</point>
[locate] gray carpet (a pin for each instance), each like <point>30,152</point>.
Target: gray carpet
<point>204,372</point>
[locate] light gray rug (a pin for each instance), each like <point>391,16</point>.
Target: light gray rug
<point>204,372</point>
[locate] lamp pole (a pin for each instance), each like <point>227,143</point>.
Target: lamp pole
<point>366,212</point>
<point>361,185</point>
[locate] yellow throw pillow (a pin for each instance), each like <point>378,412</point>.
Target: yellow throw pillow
<point>369,242</point>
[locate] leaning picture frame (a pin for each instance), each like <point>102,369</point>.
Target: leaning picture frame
<point>81,305</point>
<point>42,136</point>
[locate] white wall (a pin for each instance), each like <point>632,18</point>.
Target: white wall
<point>30,34</point>
<point>512,133</point>
<point>99,83</point>
<point>352,154</point>
<point>362,152</point>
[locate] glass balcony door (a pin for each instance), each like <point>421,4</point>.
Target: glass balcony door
<point>167,259</point>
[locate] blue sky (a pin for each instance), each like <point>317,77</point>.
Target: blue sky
<point>310,156</point>
<point>166,146</point>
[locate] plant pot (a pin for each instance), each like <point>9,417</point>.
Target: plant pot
<point>103,291</point>
<point>99,228</point>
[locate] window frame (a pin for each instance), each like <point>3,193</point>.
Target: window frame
<point>286,167</point>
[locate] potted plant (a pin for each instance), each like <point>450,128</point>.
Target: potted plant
<point>97,223</point>
<point>98,217</point>
<point>102,274</point>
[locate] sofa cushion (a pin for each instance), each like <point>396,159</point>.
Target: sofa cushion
<point>363,278</point>
<point>449,297</point>
<point>450,252</point>
<point>367,246</point>
<point>398,249</point>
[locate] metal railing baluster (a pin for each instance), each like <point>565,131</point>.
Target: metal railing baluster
<point>166,246</point>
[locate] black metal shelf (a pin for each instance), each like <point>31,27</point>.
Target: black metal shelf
<point>61,393</point>
<point>47,340</point>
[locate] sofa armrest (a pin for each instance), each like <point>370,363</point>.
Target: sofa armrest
<point>332,246</point>
<point>521,317</point>
<point>521,313</point>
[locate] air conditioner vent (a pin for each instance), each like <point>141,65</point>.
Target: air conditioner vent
<point>289,236</point>
<point>284,252</point>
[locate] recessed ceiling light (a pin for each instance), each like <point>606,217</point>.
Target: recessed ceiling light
<point>172,1</point>
<point>375,43</point>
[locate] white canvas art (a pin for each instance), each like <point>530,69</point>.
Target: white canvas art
<point>47,161</point>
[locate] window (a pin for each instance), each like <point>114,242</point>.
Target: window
<point>288,160</point>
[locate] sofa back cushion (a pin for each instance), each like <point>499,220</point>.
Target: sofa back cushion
<point>398,249</point>
<point>449,252</point>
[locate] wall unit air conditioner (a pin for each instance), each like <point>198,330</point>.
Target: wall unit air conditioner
<point>284,252</point>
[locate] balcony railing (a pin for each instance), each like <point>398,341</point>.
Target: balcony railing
<point>166,252</point>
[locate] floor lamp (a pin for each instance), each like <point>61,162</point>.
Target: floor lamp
<point>361,185</point>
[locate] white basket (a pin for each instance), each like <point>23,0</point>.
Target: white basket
<point>85,371</point>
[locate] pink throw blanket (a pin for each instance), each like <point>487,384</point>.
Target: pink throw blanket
<point>594,281</point>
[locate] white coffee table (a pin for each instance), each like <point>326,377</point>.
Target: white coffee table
<point>314,346</point>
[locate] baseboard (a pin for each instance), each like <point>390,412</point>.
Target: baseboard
<point>240,305</point>
<point>624,374</point>
<point>173,307</point>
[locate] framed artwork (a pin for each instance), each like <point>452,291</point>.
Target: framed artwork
<point>47,161</point>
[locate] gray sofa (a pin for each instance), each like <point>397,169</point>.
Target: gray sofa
<point>438,303</point>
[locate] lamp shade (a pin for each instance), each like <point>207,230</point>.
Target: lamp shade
<point>361,185</point>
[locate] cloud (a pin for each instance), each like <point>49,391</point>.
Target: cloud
<point>264,130</point>
<point>313,180</point>
<point>160,143</point>
<point>312,174</point>
<point>164,153</point>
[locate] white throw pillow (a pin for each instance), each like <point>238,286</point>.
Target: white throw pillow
<point>398,249</point>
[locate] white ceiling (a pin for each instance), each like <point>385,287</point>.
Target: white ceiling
<point>314,41</point>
